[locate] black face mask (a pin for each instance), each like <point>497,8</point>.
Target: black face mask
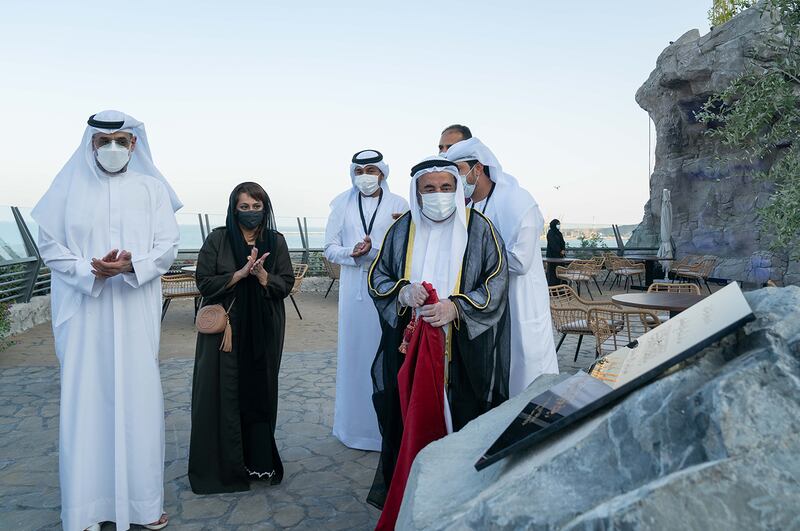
<point>250,219</point>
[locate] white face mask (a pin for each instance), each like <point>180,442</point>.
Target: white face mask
<point>113,157</point>
<point>438,206</point>
<point>558,227</point>
<point>367,184</point>
<point>469,189</point>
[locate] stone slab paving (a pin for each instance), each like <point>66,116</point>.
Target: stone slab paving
<point>324,486</point>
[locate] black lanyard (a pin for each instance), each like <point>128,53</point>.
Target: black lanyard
<point>486,204</point>
<point>368,230</point>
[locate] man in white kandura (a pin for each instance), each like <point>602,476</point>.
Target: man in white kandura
<point>358,221</point>
<point>517,217</point>
<point>107,231</point>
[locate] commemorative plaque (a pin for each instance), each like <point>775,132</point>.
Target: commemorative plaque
<point>622,371</point>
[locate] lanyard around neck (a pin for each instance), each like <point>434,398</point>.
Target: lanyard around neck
<point>368,230</point>
<point>486,204</point>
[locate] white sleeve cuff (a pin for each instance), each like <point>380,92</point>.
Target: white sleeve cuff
<point>144,270</point>
<point>86,282</point>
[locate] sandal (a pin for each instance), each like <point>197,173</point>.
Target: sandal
<point>160,524</point>
<point>93,527</point>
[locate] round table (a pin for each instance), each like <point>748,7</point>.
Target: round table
<point>558,260</point>
<point>674,303</point>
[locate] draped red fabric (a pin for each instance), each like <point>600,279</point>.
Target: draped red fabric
<point>420,384</point>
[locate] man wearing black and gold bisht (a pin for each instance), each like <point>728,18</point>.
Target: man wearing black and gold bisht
<point>459,253</point>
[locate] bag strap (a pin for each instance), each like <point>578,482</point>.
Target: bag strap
<point>231,306</point>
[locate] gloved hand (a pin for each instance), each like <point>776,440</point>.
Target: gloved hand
<point>412,295</point>
<point>439,314</point>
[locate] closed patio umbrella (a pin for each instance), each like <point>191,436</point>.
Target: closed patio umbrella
<point>666,250</point>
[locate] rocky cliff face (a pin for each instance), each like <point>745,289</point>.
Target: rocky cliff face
<point>714,202</point>
<point>711,446</point>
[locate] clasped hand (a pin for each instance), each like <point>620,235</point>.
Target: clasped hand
<point>255,267</point>
<point>362,248</point>
<point>439,314</point>
<point>112,264</point>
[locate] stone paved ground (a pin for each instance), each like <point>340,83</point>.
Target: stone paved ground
<point>325,484</point>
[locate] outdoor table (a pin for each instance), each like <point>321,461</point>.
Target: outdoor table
<point>559,261</point>
<point>674,303</point>
<point>649,265</point>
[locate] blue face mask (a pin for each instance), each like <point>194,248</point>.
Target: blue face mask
<point>469,189</point>
<point>250,219</point>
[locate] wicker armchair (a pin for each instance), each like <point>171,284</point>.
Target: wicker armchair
<point>334,272</point>
<point>300,271</point>
<point>672,287</point>
<point>599,263</point>
<point>614,328</point>
<point>676,287</point>
<point>570,314</point>
<point>608,256</point>
<point>624,268</point>
<point>580,271</point>
<point>697,271</point>
<point>179,286</point>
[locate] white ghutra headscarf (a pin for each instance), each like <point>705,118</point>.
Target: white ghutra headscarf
<point>438,246</point>
<point>516,201</point>
<point>66,211</point>
<point>345,202</point>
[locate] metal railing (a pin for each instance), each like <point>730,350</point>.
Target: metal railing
<point>24,275</point>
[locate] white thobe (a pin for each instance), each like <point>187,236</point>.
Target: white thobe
<point>354,420</point>
<point>107,332</point>
<point>533,351</point>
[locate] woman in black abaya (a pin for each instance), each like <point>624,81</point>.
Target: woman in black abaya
<point>245,266</point>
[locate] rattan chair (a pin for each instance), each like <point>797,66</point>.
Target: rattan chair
<point>614,328</point>
<point>179,286</point>
<point>300,271</point>
<point>580,271</point>
<point>599,264</point>
<point>624,268</point>
<point>570,314</point>
<point>696,272</point>
<point>674,287</point>
<point>334,272</point>
<point>608,256</point>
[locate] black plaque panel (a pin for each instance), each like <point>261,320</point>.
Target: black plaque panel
<point>622,371</point>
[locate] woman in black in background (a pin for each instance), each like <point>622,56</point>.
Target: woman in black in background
<point>556,248</point>
<point>235,394</point>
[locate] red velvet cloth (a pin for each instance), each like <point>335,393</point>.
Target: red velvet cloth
<point>420,384</point>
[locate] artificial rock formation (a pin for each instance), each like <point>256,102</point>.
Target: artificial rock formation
<point>713,445</point>
<point>714,202</point>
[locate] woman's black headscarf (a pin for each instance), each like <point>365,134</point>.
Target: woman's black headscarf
<point>555,241</point>
<point>265,238</point>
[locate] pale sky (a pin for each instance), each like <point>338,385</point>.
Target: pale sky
<point>284,93</point>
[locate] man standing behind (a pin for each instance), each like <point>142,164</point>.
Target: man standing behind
<point>452,134</point>
<point>107,231</point>
<point>518,219</point>
<point>356,226</point>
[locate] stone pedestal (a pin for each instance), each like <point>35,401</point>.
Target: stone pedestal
<point>713,445</point>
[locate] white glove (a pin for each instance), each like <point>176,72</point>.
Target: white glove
<point>412,295</point>
<point>439,314</point>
